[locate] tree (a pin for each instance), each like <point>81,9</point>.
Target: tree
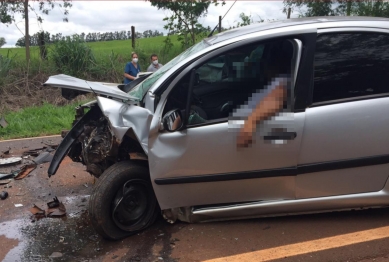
<point>309,8</point>
<point>2,41</point>
<point>370,8</point>
<point>246,19</point>
<point>8,10</point>
<point>184,17</point>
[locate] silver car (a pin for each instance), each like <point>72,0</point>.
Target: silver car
<point>167,142</point>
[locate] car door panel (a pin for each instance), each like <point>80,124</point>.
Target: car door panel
<point>346,141</point>
<point>350,181</point>
<point>342,132</point>
<point>201,165</point>
<point>265,171</point>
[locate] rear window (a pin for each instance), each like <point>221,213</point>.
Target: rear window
<point>351,65</point>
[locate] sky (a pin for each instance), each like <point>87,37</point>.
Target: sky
<point>109,16</point>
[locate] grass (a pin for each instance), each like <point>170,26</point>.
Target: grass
<point>122,48</point>
<point>24,81</point>
<point>38,121</point>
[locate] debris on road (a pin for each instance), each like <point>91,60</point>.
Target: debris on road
<point>49,143</point>
<point>57,212</point>
<point>55,209</point>
<point>33,152</point>
<point>24,171</point>
<point>37,212</point>
<point>3,195</point>
<point>10,175</point>
<point>4,182</point>
<point>18,205</point>
<point>18,174</point>
<point>37,151</point>
<point>54,203</point>
<point>55,255</point>
<point>10,160</point>
<point>4,153</point>
<point>43,157</point>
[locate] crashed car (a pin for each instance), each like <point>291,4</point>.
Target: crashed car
<point>167,144</point>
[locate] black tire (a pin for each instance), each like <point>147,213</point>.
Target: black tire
<point>127,187</point>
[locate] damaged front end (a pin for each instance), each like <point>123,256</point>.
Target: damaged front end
<point>90,142</point>
<point>111,129</point>
<point>96,147</point>
<point>104,132</point>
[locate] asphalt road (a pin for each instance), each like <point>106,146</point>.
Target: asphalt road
<point>339,236</point>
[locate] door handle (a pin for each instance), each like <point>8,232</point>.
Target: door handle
<point>280,136</point>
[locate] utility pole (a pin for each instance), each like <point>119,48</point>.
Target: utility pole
<point>348,8</point>
<point>133,36</point>
<point>42,45</point>
<point>220,23</point>
<point>27,33</point>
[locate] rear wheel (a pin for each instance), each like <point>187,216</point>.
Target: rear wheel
<point>123,201</point>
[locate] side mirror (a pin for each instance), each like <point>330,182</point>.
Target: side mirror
<point>172,121</point>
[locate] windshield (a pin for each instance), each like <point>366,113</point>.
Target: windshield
<point>140,90</point>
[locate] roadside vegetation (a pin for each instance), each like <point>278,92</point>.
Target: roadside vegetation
<point>96,61</point>
<point>33,121</point>
<point>33,110</point>
<point>22,95</point>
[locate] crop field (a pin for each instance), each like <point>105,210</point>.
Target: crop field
<point>123,48</point>
<point>23,98</point>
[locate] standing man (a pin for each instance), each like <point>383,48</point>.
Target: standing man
<point>132,69</point>
<point>154,66</point>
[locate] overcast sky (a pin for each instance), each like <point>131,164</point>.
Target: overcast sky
<point>110,16</point>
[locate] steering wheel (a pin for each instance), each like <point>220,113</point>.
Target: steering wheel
<point>199,111</point>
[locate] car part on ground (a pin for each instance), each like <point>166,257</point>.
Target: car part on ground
<point>3,195</point>
<point>10,161</point>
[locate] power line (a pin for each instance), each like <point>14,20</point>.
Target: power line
<point>222,19</point>
<point>229,9</point>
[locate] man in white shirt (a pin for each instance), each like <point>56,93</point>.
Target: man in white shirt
<point>154,66</point>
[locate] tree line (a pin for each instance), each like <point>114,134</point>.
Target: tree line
<point>309,8</point>
<point>90,37</point>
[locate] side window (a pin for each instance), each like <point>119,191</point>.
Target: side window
<point>350,65</point>
<point>230,82</point>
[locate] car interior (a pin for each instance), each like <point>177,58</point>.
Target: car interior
<point>227,81</point>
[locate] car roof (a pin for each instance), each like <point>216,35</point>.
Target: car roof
<point>286,23</point>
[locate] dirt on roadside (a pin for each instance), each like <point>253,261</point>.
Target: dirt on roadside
<point>36,97</point>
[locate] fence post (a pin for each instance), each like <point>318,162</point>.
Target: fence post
<point>220,23</point>
<point>42,45</point>
<point>133,36</point>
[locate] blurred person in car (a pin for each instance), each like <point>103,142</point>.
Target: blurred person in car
<point>266,102</point>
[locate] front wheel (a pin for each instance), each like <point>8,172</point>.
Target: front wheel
<point>123,201</point>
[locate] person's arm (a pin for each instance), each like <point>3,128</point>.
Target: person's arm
<point>269,106</point>
<point>129,76</point>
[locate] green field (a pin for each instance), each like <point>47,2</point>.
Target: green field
<point>122,48</point>
<point>29,113</point>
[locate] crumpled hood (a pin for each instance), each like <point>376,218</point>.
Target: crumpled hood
<point>107,89</point>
